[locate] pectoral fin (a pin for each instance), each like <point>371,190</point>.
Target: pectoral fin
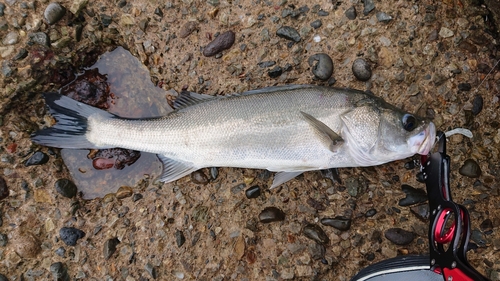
<point>174,169</point>
<point>332,139</point>
<point>282,177</point>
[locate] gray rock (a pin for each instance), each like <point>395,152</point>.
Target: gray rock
<point>3,239</point>
<point>23,53</point>
<point>199,177</point>
<point>338,222</point>
<point>383,17</point>
<point>2,9</point>
<point>399,236</point>
<point>151,269</point>
<point>369,6</point>
<point>477,105</point>
<point>39,38</point>
<point>275,72</point>
<point>356,186</point>
<point>413,196</point>
<point>421,211</point>
<point>11,38</point>
<point>351,13</point>
<point>253,192</point>
<point>70,235</point>
<point>54,12</point>
<point>180,239</point>
<point>316,24</point>
<point>322,66</point>
<point>470,169</point>
<point>4,190</point>
<point>59,271</point>
<point>361,69</point>
<point>288,33</point>
<point>38,158</point>
<point>109,247</point>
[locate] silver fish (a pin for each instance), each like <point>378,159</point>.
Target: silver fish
<point>286,129</point>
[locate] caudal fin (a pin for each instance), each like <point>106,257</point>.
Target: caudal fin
<point>71,127</point>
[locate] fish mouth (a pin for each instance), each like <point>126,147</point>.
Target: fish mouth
<point>423,142</point>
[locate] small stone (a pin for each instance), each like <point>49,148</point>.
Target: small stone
<point>188,28</point>
<point>3,239</point>
<point>26,245</point>
<point>323,13</point>
<point>288,33</point>
<point>445,32</point>
<point>486,226</point>
<point>2,9</point>
<point>316,233</point>
<point>151,270</point>
<point>66,188</point>
<point>110,247</point>
<point>199,177</point>
<point>214,173</point>
<point>361,69</point>
<point>369,6</point>
<point>4,190</point>
<point>158,12</point>
<point>399,236</point>
<point>124,192</point>
<point>179,238</point>
<point>39,38</point>
<point>23,53</point>
<point>220,43</point>
<point>275,72</point>
<point>70,235</point>
<point>370,213</point>
<point>54,12</point>
<point>322,66</point>
<point>338,222</point>
<point>237,188</point>
<point>77,6</point>
<point>470,169</point>
<point>59,271</point>
<point>421,211</point>
<point>61,252</point>
<point>266,64</point>
<point>316,24</point>
<point>38,158</point>
<point>477,105</point>
<point>2,277</point>
<point>413,196</point>
<point>11,38</point>
<point>137,197</point>
<point>351,13</point>
<point>143,24</point>
<point>383,17</point>
<point>271,214</point>
<point>356,186</point>
<point>478,238</point>
<point>253,192</point>
<point>465,87</point>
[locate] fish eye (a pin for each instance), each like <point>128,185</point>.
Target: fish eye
<point>409,122</point>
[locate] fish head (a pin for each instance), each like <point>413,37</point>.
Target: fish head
<point>378,133</point>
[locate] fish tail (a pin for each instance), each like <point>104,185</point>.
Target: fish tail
<point>72,123</point>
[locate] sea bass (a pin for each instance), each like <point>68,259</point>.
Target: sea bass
<point>286,129</point>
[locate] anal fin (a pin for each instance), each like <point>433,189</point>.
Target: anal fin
<point>332,139</point>
<point>282,177</point>
<point>175,169</point>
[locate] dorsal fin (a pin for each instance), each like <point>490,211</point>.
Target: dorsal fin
<point>187,98</point>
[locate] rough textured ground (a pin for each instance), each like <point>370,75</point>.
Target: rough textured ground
<point>422,61</point>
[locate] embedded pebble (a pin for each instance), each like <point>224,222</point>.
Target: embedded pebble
<point>38,158</point>
<point>322,66</point>
<point>214,173</point>
<point>323,13</point>
<point>369,6</point>
<point>3,239</point>
<point>70,235</point>
<point>445,32</point>
<point>383,17</point>
<point>288,33</point>
<point>54,12</point>
<point>26,245</point>
<point>66,188</point>
<point>151,270</point>
<point>399,236</point>
<point>187,29</point>
<point>21,54</point>
<point>179,238</point>
<point>470,169</point>
<point>338,222</point>
<point>275,72</point>
<point>4,190</point>
<point>222,42</point>
<point>124,192</point>
<point>421,211</point>
<point>106,20</point>
<point>361,69</point>
<point>478,238</point>
<point>316,233</point>
<point>413,196</point>
<point>2,9</point>
<point>486,226</point>
<point>137,197</point>
<point>252,192</point>
<point>465,87</point>
<point>266,64</point>
<point>316,24</point>
<point>271,214</point>
<point>477,104</point>
<point>59,271</point>
<point>11,38</point>
<point>351,13</point>
<point>60,252</point>
<point>40,38</point>
<point>356,186</point>
<point>199,177</point>
<point>109,247</point>
<point>370,213</point>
